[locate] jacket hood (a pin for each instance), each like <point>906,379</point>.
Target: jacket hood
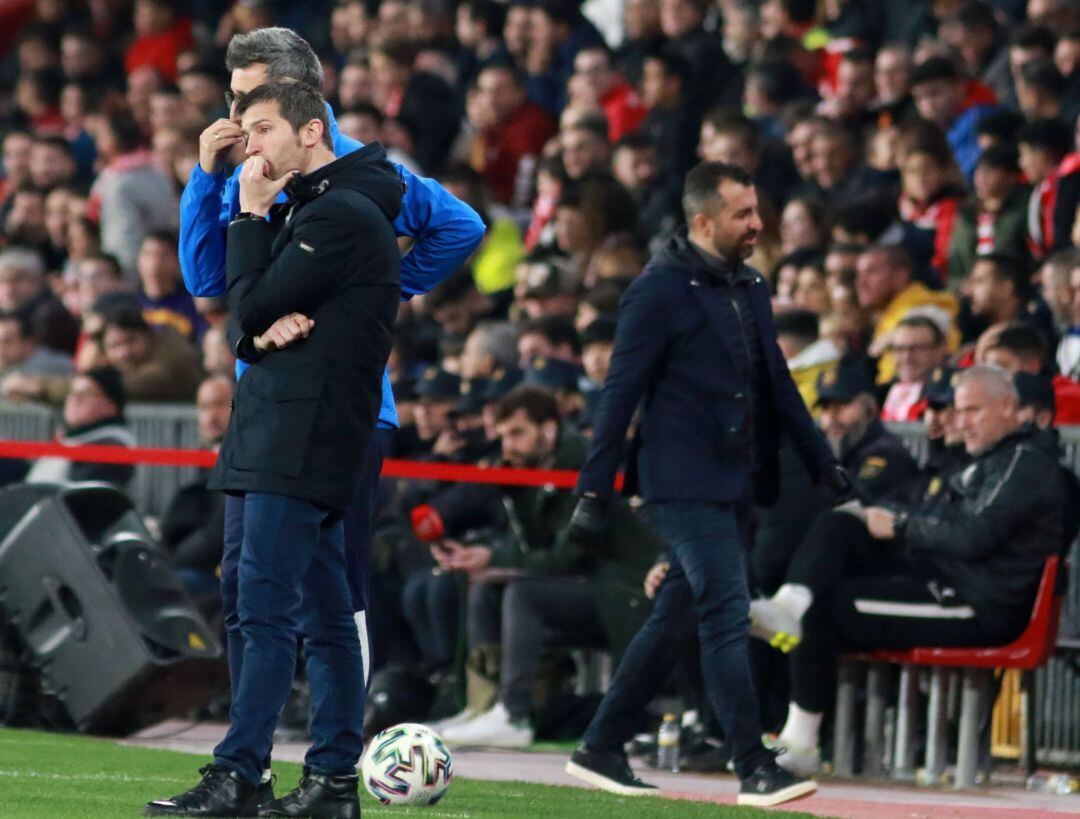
<point>680,253</point>
<point>366,171</point>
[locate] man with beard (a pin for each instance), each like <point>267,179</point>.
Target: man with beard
<point>695,346</point>
<point>533,586</point>
<point>877,459</point>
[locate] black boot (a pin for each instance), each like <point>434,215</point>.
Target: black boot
<point>222,792</point>
<point>319,796</point>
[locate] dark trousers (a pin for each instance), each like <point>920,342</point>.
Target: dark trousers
<point>292,583</point>
<point>707,581</point>
<point>525,615</point>
<point>357,523</point>
<point>430,603</point>
<point>866,596</point>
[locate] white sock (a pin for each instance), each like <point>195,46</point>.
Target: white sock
<point>794,598</point>
<point>801,729</point>
<point>266,776</point>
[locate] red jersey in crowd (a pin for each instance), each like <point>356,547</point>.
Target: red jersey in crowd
<point>499,150</point>
<point>624,111</point>
<point>161,50</point>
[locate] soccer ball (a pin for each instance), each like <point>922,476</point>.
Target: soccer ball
<point>407,764</point>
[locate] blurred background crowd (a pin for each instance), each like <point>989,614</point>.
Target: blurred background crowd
<point>916,164</point>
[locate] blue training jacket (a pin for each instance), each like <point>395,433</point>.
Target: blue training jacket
<point>446,232</point>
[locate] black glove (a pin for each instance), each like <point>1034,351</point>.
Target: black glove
<point>589,522</point>
<point>836,478</point>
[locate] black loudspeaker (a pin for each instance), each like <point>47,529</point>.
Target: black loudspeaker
<point>98,609</point>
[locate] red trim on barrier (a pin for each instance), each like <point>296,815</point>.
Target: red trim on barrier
<point>392,468</point>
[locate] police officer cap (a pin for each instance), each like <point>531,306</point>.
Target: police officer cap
<point>1035,391</point>
<point>502,382</point>
<point>471,392</point>
<point>845,383</point>
<point>553,373</point>
<point>940,387</point>
<point>438,385</point>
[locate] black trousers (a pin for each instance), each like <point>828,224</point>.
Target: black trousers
<point>523,616</point>
<point>867,595</point>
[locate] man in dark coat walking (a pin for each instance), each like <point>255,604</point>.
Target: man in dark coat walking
<point>696,347</point>
<point>304,416</point>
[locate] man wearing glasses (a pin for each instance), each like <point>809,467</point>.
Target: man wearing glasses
<point>918,347</point>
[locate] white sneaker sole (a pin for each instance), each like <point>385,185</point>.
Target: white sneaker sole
<point>800,790</point>
<point>605,784</point>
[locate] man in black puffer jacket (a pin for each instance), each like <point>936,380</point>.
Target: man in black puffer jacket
<point>305,413</point>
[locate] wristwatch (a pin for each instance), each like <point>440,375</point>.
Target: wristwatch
<point>246,215</point>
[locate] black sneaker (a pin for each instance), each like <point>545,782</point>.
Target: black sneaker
<point>222,792</point>
<point>609,771</point>
<point>320,796</point>
<point>772,785</point>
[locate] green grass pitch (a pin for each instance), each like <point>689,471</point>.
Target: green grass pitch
<point>63,775</point>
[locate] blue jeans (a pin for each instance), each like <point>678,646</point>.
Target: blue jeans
<point>358,521</point>
<point>707,581</point>
<point>291,584</point>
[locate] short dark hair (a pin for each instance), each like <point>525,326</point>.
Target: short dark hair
<point>556,329</point>
<point>490,13</point>
<point>675,65</point>
<point>367,109</point>
<point>1002,157</point>
<point>1001,125</point>
<point>1043,74</point>
<point>636,141</point>
<point>702,188</point>
<point>802,325</point>
<point>924,323</point>
<point>934,68</point>
<point>1022,339</point>
<point>538,404</point>
<point>1033,35</point>
<point>165,237</point>
<point>1051,135</point>
<point>736,124</point>
<point>779,79</point>
<point>1009,268</point>
<point>298,104</point>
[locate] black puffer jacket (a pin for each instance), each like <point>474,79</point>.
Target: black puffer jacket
<point>305,415</point>
<point>1002,519</point>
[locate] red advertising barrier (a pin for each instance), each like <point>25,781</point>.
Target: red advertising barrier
<point>392,468</point>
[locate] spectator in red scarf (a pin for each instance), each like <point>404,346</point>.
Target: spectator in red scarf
<point>595,82</point>
<point>929,196</point>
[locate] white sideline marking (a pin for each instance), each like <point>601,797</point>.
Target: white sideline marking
<point>94,777</point>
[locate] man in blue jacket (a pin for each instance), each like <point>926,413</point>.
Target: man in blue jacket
<point>695,346</point>
<point>444,232</point>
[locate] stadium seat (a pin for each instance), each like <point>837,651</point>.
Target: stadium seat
<point>973,666</point>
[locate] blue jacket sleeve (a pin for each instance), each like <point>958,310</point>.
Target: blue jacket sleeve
<point>446,230</point>
<point>204,220</point>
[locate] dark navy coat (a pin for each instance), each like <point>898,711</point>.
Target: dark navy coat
<point>674,355</point>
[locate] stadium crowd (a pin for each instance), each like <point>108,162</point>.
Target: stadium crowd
<point>917,166</point>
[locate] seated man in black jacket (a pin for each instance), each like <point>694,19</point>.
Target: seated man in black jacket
<point>960,573</point>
